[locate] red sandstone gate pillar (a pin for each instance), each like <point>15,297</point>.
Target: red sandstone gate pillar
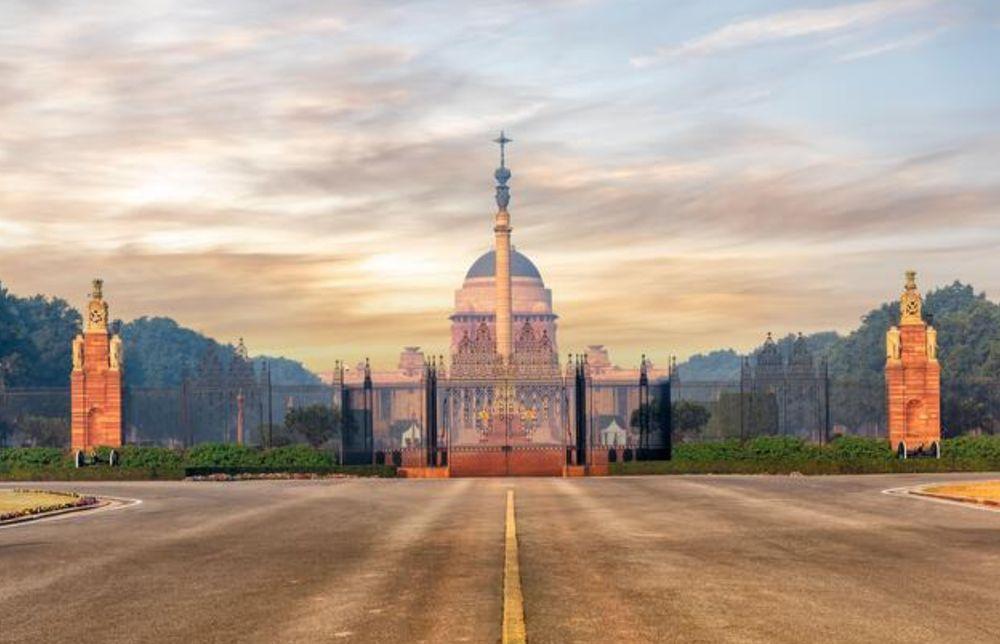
<point>912,377</point>
<point>96,380</point>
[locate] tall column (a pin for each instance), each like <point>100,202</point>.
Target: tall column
<point>503,321</point>
<point>502,229</point>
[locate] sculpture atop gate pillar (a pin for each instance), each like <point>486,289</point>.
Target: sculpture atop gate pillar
<point>96,379</point>
<point>913,378</point>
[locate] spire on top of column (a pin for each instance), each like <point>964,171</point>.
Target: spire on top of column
<point>502,174</point>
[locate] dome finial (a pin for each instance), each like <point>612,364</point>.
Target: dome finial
<point>502,175</point>
<point>503,141</point>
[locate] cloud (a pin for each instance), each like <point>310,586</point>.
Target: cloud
<point>317,178</point>
<point>908,42</point>
<point>783,26</point>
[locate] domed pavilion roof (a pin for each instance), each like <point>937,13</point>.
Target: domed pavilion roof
<point>520,266</point>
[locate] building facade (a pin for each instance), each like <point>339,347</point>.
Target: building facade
<point>505,398</point>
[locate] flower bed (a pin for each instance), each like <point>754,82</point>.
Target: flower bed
<point>45,503</point>
<point>304,472</point>
<point>268,476</point>
<point>981,492</point>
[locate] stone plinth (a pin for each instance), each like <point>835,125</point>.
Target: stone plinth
<point>423,473</point>
<point>414,457</point>
<point>597,464</point>
<point>536,460</point>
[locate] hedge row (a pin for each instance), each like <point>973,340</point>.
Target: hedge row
<point>843,455</point>
<point>922,465</point>
<point>771,454</point>
<point>841,449</point>
<point>138,463</point>
<point>204,455</point>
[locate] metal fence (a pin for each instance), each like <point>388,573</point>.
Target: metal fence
<point>168,416</point>
<point>390,418</point>
<point>34,416</point>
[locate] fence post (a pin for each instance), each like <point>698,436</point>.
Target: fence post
<point>185,414</point>
<point>342,403</point>
<point>582,426</point>
<point>369,411</point>
<point>644,410</point>
<point>3,405</point>
<point>826,401</point>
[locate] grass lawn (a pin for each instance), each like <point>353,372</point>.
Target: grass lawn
<point>11,501</point>
<point>982,490</point>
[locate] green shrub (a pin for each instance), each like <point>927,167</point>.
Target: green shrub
<point>150,457</point>
<point>222,455</point>
<point>848,448</point>
<point>32,457</point>
<point>972,447</point>
<point>810,467</point>
<point>295,456</point>
<point>709,452</point>
<point>764,448</point>
<point>91,473</point>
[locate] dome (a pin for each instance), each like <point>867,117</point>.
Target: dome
<point>486,266</point>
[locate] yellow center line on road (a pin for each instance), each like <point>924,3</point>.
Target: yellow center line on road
<point>513,601</point>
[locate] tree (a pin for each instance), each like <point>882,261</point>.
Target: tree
<point>689,417</point>
<point>36,336</point>
<point>44,431</point>
<point>650,410</point>
<point>50,325</point>
<point>35,340</point>
<point>316,423</point>
<point>284,371</point>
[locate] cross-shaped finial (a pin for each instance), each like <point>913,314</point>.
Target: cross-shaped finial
<point>503,141</point>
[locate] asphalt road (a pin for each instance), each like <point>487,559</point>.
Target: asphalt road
<point>692,559</point>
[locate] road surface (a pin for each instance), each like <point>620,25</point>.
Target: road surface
<point>641,559</point>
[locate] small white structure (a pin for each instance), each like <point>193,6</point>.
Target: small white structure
<point>613,435</point>
<point>412,437</point>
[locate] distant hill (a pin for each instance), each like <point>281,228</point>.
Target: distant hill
<point>285,371</point>
<point>724,364</point>
<point>36,335</point>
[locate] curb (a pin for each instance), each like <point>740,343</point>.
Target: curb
<point>45,515</point>
<point>960,499</point>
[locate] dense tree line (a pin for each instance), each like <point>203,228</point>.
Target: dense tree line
<point>968,327</point>
<point>36,334</point>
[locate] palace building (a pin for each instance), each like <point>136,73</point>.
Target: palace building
<point>504,401</point>
<point>475,301</point>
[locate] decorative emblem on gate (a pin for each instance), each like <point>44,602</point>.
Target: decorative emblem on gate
<point>529,420</point>
<point>483,425</point>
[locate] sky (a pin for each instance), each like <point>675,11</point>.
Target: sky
<point>316,176</point>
